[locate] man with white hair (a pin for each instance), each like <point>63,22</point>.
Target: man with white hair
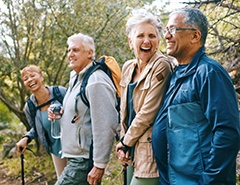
<point>86,127</point>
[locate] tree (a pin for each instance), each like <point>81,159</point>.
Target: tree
<point>35,32</point>
<point>223,42</point>
<point>4,116</point>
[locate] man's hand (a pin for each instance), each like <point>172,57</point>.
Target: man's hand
<point>95,176</point>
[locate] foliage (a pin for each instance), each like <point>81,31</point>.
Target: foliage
<point>223,42</point>
<point>223,38</point>
<point>35,168</point>
<point>35,31</point>
<point>5,116</point>
<point>40,168</point>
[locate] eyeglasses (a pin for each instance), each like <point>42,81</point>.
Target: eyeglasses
<point>173,30</point>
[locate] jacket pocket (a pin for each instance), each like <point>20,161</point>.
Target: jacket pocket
<point>84,138</point>
<point>143,149</point>
<point>144,162</point>
<point>189,137</point>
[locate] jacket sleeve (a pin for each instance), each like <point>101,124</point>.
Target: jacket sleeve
<point>220,105</point>
<point>31,134</point>
<point>104,116</point>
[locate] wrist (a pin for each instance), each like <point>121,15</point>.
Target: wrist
<point>121,140</point>
<point>27,138</point>
<point>126,147</point>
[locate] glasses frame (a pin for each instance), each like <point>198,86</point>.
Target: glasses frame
<point>173,30</point>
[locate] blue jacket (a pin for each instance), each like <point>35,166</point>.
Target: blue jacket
<point>196,134</point>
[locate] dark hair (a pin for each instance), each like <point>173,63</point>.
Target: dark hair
<point>196,19</point>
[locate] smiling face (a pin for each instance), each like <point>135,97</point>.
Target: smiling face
<point>144,41</point>
<point>32,79</point>
<point>179,44</point>
<point>78,57</point>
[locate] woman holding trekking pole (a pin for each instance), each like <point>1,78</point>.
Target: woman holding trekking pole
<point>144,82</point>
<point>37,115</point>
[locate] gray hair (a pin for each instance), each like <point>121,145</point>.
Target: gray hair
<point>195,18</point>
<point>87,42</point>
<point>140,17</point>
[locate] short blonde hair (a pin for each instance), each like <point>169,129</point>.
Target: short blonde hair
<point>31,68</point>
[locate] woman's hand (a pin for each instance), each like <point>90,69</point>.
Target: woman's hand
<point>51,115</point>
<point>22,145</point>
<point>122,156</point>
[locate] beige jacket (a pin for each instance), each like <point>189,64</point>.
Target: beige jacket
<point>147,99</point>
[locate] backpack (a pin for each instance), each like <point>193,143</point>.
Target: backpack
<point>33,109</point>
<point>109,65</point>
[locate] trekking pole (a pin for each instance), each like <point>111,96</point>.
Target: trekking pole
<point>22,164</point>
<point>124,174</point>
<point>125,149</point>
<point>22,167</point>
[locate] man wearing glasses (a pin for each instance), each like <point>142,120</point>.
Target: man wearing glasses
<point>196,133</point>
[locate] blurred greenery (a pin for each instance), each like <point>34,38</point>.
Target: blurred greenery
<point>36,32</point>
<point>41,169</point>
<point>5,116</point>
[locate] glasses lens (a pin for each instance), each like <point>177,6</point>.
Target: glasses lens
<point>165,30</point>
<point>172,30</point>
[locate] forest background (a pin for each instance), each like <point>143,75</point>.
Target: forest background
<point>35,32</point>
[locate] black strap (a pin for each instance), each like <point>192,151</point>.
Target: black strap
<point>32,108</point>
<point>46,103</point>
<point>75,81</point>
<point>87,74</point>
<point>57,94</point>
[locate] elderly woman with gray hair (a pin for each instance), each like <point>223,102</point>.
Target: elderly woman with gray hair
<point>144,83</point>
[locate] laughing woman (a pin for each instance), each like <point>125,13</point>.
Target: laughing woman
<point>42,96</point>
<point>144,82</point>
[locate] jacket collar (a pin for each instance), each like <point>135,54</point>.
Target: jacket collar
<point>194,62</point>
<point>148,67</point>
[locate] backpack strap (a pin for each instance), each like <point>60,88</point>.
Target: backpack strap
<point>87,74</point>
<point>32,109</point>
<point>57,94</point>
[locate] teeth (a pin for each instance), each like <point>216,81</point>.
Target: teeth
<point>145,48</point>
<point>32,84</point>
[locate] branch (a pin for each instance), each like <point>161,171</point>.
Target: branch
<point>217,2</point>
